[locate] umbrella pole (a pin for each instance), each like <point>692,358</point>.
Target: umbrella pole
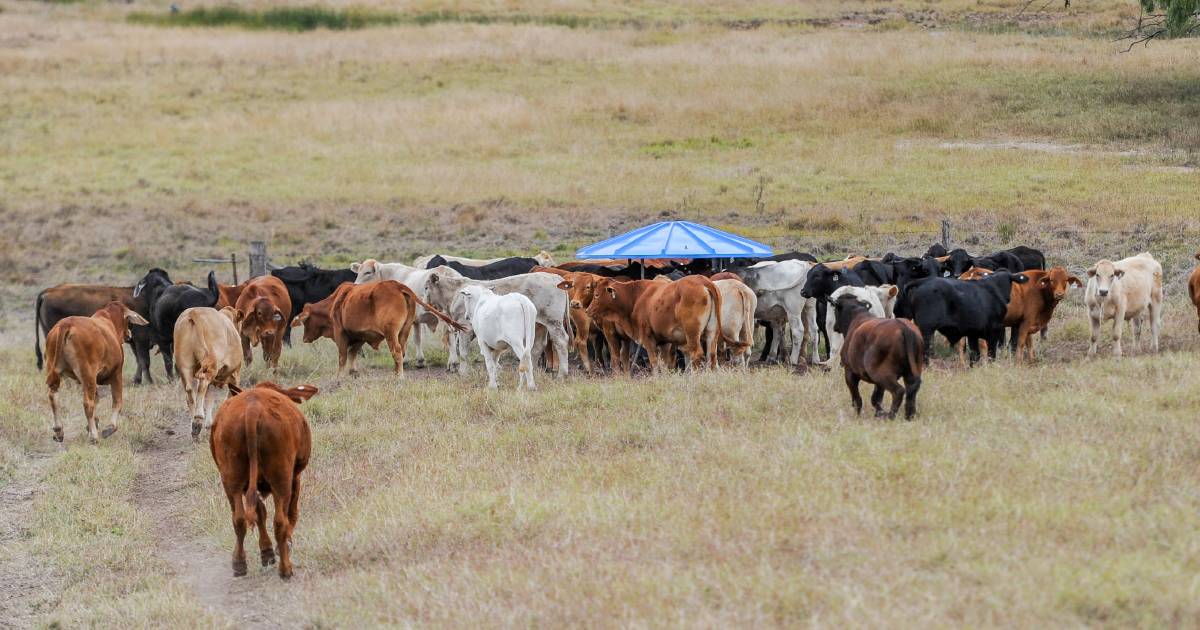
<point>643,261</point>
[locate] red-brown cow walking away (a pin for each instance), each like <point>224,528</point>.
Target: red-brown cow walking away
<point>880,351</point>
<point>1194,290</point>
<point>374,312</point>
<point>264,307</point>
<point>261,443</point>
<point>89,350</point>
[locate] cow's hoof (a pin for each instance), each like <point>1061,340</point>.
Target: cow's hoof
<point>108,431</point>
<point>420,363</point>
<point>197,427</point>
<point>58,435</point>
<point>93,440</point>
<point>285,573</point>
<point>239,568</point>
<point>268,557</point>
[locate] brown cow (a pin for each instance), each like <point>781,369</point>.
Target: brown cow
<point>374,312</point>
<point>317,321</point>
<point>89,350</point>
<point>1031,304</point>
<point>65,300</point>
<point>229,294</point>
<point>208,356</point>
<point>685,313</point>
<point>580,287</point>
<point>880,351</point>
<point>264,307</point>
<point>261,443</point>
<point>1194,289</point>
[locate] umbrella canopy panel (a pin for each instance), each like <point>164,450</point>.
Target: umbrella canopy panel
<point>675,239</point>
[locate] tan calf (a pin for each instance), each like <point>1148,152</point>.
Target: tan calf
<point>208,355</point>
<point>1126,290</point>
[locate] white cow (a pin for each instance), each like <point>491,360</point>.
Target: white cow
<point>501,322</point>
<point>372,270</point>
<point>880,299</point>
<point>738,304</point>
<point>543,257</point>
<point>1126,290</point>
<point>552,304</point>
<point>778,286</point>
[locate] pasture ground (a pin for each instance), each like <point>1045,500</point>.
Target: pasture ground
<point>1062,494</point>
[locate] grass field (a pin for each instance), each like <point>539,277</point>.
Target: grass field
<point>1064,494</point>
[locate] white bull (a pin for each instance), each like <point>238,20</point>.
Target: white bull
<point>777,286</point>
<point>372,270</point>
<point>1126,290</point>
<point>880,299</point>
<point>500,322</point>
<point>543,257</point>
<point>552,304</point>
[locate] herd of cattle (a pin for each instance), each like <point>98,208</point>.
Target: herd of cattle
<point>877,317</point>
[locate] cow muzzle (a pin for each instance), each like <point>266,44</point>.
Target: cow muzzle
<point>576,304</point>
<point>1103,292</point>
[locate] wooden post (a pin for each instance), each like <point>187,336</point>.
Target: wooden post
<point>233,261</point>
<point>946,233</point>
<point>258,259</point>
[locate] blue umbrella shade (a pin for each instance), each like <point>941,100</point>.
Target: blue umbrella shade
<point>675,239</point>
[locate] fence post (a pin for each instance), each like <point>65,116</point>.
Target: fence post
<point>946,233</point>
<point>258,259</point>
<point>233,261</point>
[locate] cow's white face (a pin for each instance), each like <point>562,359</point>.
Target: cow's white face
<point>1106,277</point>
<point>368,271</point>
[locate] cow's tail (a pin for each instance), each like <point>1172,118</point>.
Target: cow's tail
<point>37,329</point>
<point>526,355</point>
<point>429,307</point>
<point>213,290</point>
<point>914,351</point>
<point>52,349</point>
<point>250,498</point>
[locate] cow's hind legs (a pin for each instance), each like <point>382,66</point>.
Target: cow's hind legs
<point>118,400</point>
<point>877,401</point>
<point>897,390</point>
<point>266,554</point>
<point>283,533</point>
<point>56,428</point>
<point>239,531</point>
<point>911,386</point>
<point>89,407</point>
<point>855,397</point>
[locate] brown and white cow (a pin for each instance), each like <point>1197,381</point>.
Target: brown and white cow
<point>1194,290</point>
<point>208,356</point>
<point>261,443</point>
<point>685,313</point>
<point>264,307</point>
<point>371,313</point>
<point>90,351</point>
<point>1126,290</point>
<point>1031,304</point>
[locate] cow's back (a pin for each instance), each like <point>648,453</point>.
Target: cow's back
<point>202,332</point>
<point>79,342</point>
<point>370,309</point>
<point>1142,282</point>
<point>283,439</point>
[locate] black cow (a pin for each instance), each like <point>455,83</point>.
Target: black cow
<point>936,251</point>
<point>1030,258</point>
<point>904,271</point>
<point>958,308</point>
<point>821,282</point>
<point>307,284</point>
<point>493,271</point>
<point>792,255</point>
<point>167,301</point>
<point>959,261</point>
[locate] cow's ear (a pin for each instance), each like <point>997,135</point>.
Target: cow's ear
<point>301,393</point>
<point>1091,272</point>
<point>566,285</point>
<point>1118,273</point>
<point>433,278</point>
<point>238,316</point>
<point>1075,281</point>
<point>355,267</point>
<point>133,318</point>
<point>612,292</point>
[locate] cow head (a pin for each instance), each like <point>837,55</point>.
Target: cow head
<point>823,281</point>
<point>261,320</point>
<point>1105,276</point>
<point>469,297</point>
<point>316,323</point>
<point>544,258</point>
<point>606,299</point>
<point>975,273</point>
<point>155,280</point>
<point>847,308</point>
<point>120,316</point>
<point>1056,282</point>
<point>580,289</point>
<point>367,270</point>
<point>957,262</point>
